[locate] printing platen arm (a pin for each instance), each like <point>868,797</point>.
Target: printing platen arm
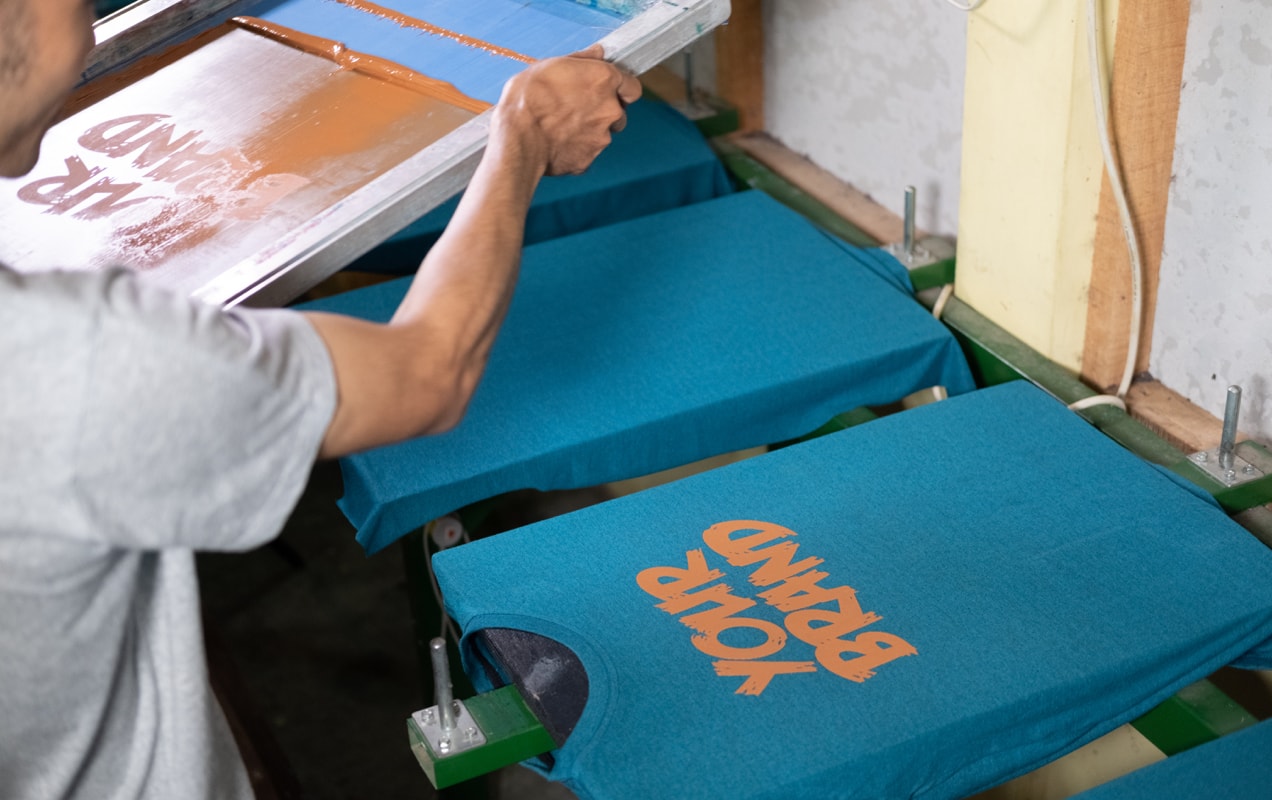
<point>457,740</point>
<point>511,733</point>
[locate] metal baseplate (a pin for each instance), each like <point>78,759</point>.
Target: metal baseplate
<point>1242,471</point>
<point>465,735</point>
<point>507,733</point>
<point>1237,472</point>
<point>1249,485</point>
<point>924,252</point>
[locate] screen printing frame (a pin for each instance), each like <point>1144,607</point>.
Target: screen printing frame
<point>368,216</point>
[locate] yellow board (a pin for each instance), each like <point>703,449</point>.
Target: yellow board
<point>1031,171</point>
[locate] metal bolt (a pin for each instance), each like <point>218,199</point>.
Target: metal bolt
<point>1248,469</point>
<point>444,746</point>
<point>908,232</point>
<point>1231,412</point>
<point>1230,474</point>
<point>1202,458</point>
<point>442,683</point>
<point>470,734</point>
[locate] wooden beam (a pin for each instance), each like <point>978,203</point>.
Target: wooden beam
<point>842,198</point>
<point>1174,417</point>
<point>740,63</point>
<point>1148,64</point>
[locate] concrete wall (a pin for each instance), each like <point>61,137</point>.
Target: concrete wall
<point>873,92</point>
<point>1214,307</point>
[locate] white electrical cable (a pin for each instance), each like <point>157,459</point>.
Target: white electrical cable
<point>447,624</point>
<point>1099,82</point>
<point>1098,400</point>
<point>971,5</point>
<point>939,393</point>
<point>938,308</point>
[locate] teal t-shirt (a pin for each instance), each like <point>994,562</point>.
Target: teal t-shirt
<point>925,605</point>
<point>654,343</point>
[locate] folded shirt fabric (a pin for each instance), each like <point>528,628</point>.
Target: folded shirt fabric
<point>922,606</point>
<point>654,343</point>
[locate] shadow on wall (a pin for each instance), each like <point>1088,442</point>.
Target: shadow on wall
<point>1257,404</point>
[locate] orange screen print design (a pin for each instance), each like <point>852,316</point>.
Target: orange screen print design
<point>829,619</point>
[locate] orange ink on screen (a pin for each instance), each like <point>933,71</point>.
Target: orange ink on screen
<point>195,158</point>
<point>407,21</point>
<point>374,66</point>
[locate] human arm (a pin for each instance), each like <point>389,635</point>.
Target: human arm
<point>416,374</point>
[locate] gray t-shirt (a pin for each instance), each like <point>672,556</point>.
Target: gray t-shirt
<point>135,428</point>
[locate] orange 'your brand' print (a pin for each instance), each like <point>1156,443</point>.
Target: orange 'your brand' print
<point>827,618</point>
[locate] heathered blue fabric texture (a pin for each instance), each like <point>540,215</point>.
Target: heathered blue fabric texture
<point>1033,585</point>
<point>654,343</point>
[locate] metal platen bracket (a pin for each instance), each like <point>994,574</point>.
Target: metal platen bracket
<point>455,741</point>
<point>465,735</point>
<point>447,727</point>
<point>912,252</point>
<point>1238,472</point>
<point>930,260</point>
<point>1222,463</point>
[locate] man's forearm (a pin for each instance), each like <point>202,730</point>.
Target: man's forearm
<point>466,281</point>
<point>416,375</point>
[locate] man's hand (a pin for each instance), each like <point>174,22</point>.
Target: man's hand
<point>559,113</point>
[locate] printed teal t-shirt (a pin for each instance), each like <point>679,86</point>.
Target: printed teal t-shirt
<point>926,605</point>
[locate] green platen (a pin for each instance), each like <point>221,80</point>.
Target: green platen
<point>512,735</point>
<point>1195,715</point>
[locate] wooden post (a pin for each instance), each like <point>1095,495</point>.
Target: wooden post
<point>740,63</point>
<point>1148,64</point>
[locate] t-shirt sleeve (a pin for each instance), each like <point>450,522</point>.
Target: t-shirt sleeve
<point>199,426</point>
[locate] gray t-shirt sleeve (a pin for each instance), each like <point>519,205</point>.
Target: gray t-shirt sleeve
<point>195,427</point>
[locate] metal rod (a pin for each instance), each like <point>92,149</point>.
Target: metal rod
<point>442,683</point>
<point>1228,443</point>
<point>908,242</point>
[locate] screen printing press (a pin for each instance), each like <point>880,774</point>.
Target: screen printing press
<point>241,151</point>
<point>927,604</point>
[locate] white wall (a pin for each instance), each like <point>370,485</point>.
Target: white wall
<point>872,90</point>
<point>1214,306</point>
